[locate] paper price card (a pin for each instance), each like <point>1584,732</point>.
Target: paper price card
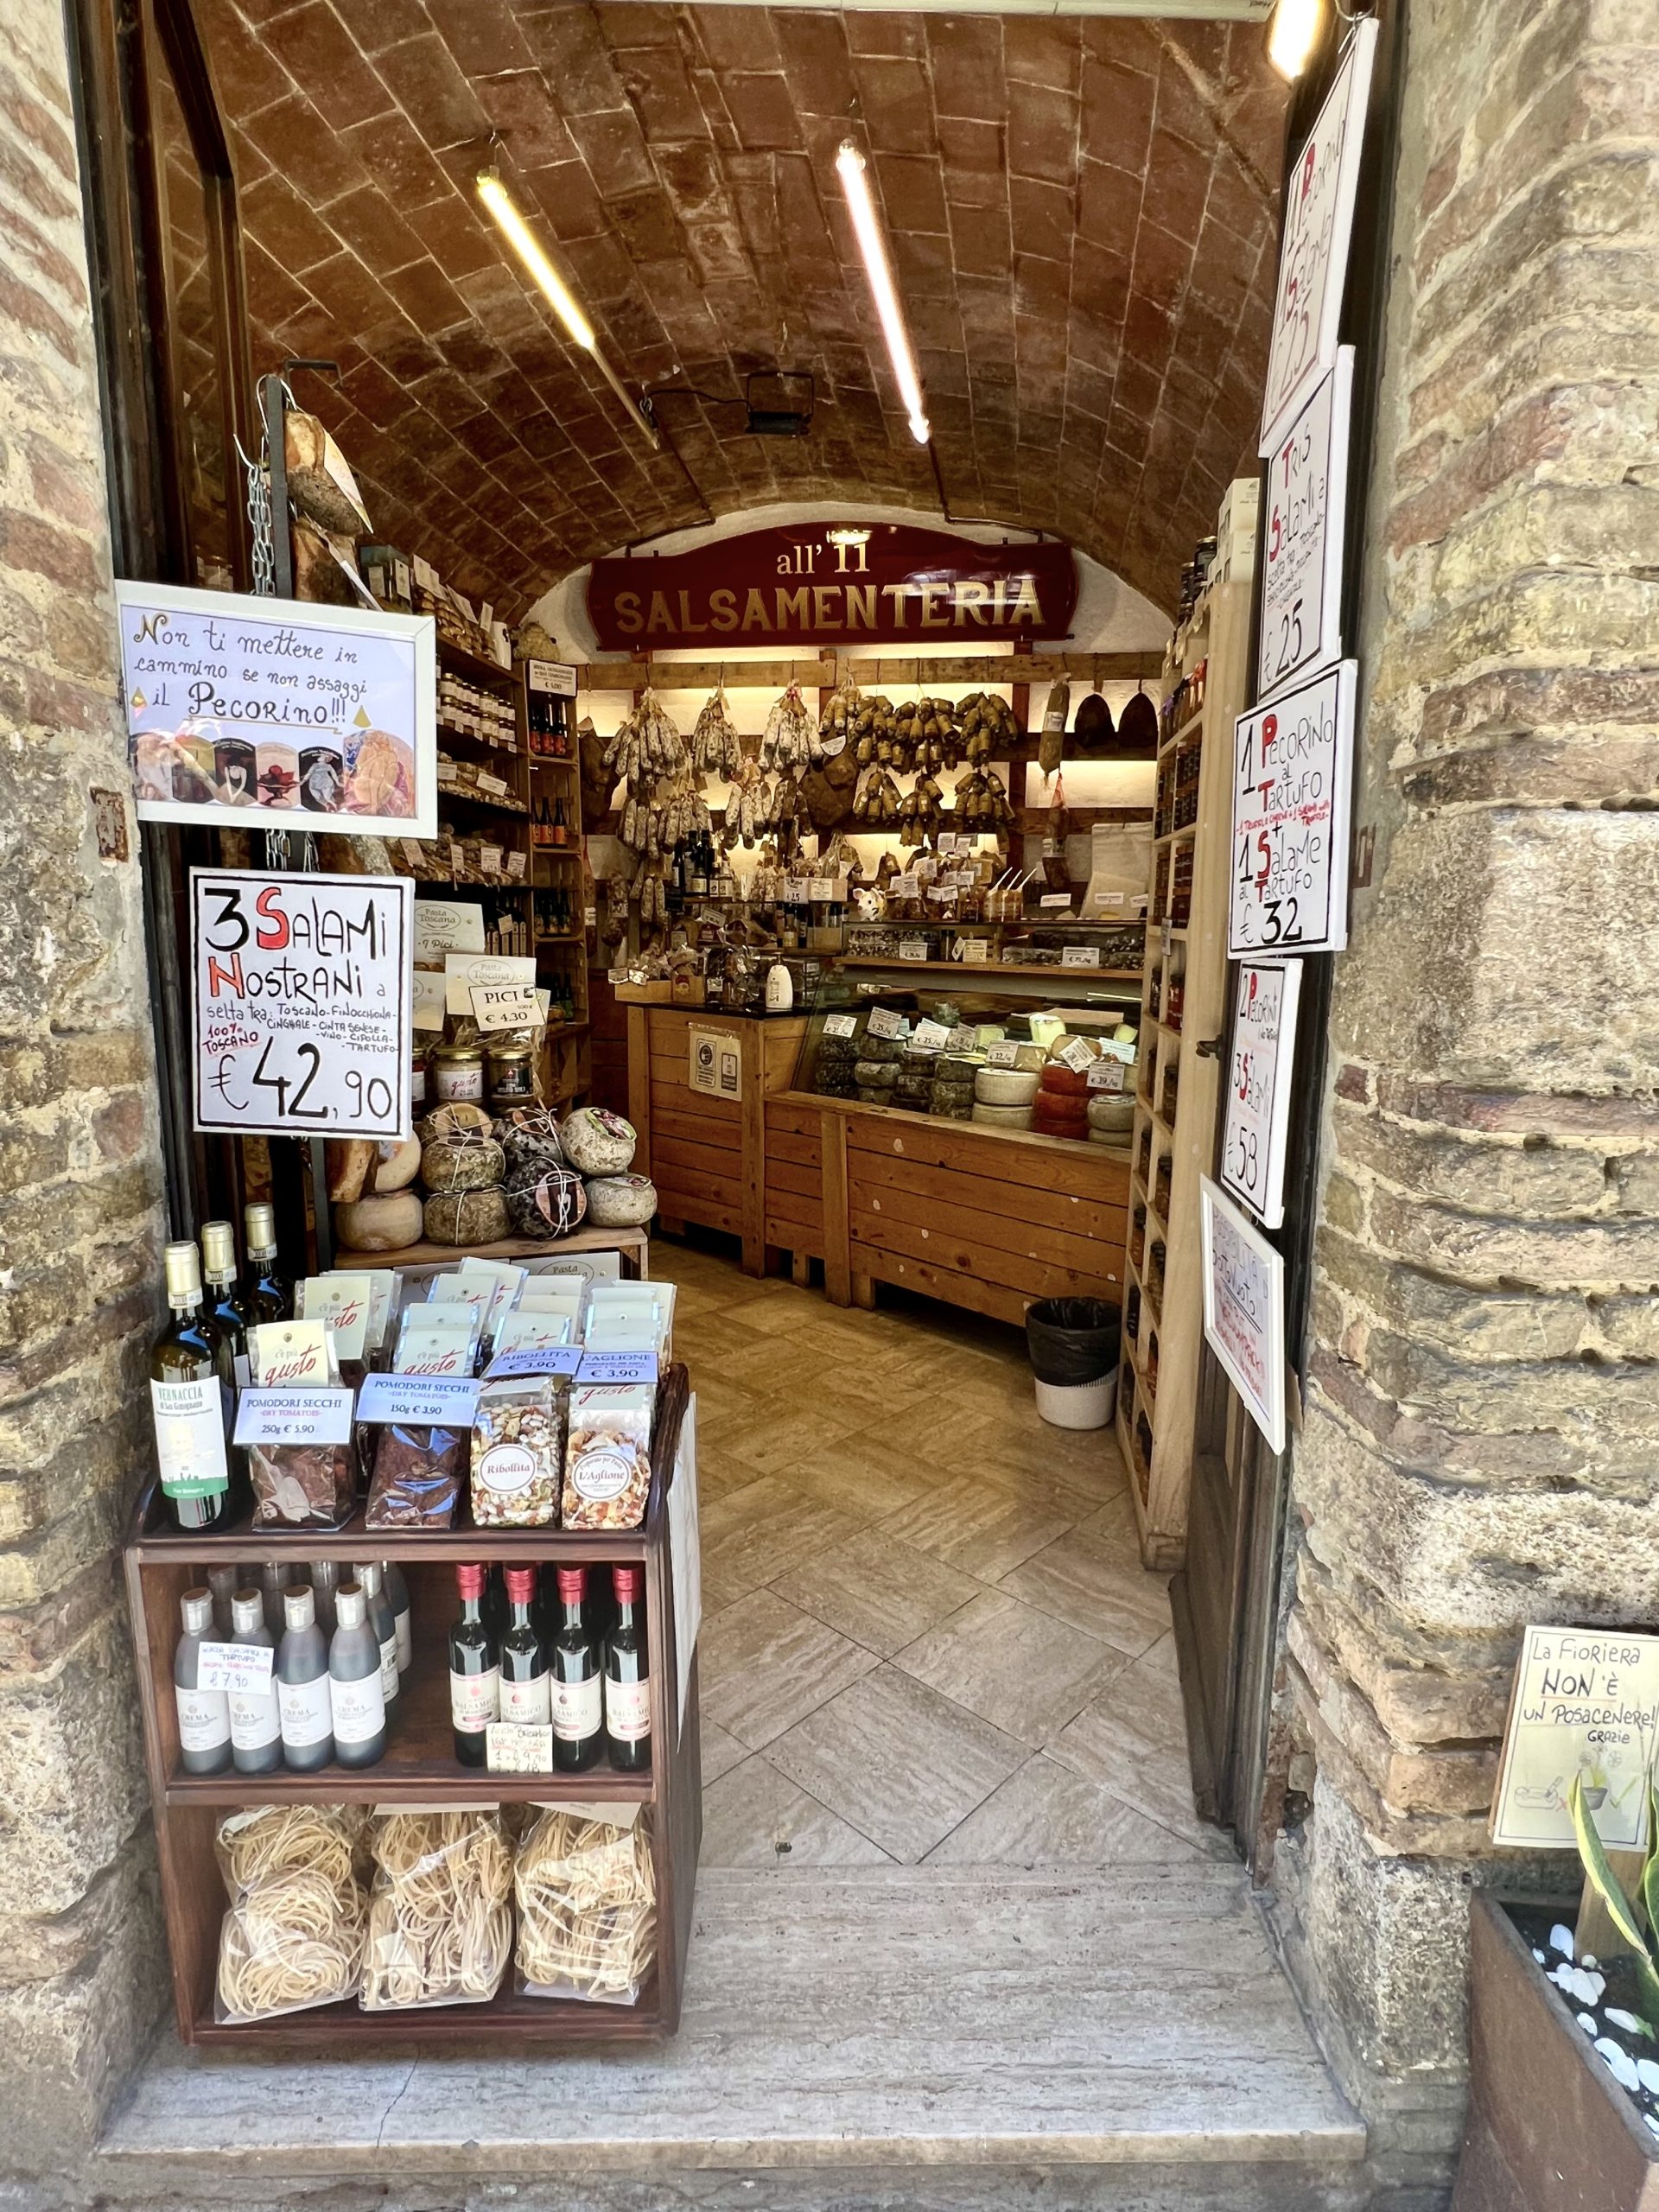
<point>618,1367</point>
<point>446,925</point>
<point>1302,548</point>
<point>884,1022</point>
<point>1293,774</point>
<point>912,948</point>
<point>931,1036</point>
<point>1245,1309</point>
<point>511,1747</point>
<point>428,1013</point>
<point>1004,1055</point>
<point>1107,1075</point>
<point>1055,899</point>
<point>1258,1118</point>
<point>243,1670</point>
<point>505,1006</point>
<point>1586,1703</point>
<point>1079,956</point>
<point>466,972</point>
<point>299,1002</point>
<point>974,951</point>
<point>552,1359</point>
<point>294,1417</point>
<point>841,1024</point>
<point>555,676</point>
<point>1079,1056</point>
<point>421,1401</point>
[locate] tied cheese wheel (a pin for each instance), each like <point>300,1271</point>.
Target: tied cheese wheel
<point>546,1201</point>
<point>621,1201</point>
<point>597,1141</point>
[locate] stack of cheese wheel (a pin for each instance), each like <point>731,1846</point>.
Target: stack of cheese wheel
<point>1003,1097</point>
<point>1062,1104</point>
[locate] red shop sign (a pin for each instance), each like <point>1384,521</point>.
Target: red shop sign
<point>799,586</point>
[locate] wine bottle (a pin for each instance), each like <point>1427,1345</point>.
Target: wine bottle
<point>256,1729</point>
<point>577,1693</point>
<point>396,1592</point>
<point>474,1672</point>
<point>355,1703</point>
<point>266,1295</point>
<point>223,1300</point>
<point>304,1704</point>
<point>190,1398</point>
<point>204,1715</point>
<point>524,1661</point>
<point>627,1674</point>
<point>560,833</point>
<point>383,1621</point>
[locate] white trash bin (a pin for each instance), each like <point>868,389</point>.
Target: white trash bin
<point>1077,1405</point>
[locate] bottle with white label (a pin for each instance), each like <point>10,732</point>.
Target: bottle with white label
<point>190,1396</point>
<point>474,1670</point>
<point>256,1728</point>
<point>372,1583</point>
<point>397,1590</point>
<point>577,1683</point>
<point>204,1715</point>
<point>524,1660</point>
<point>303,1704</point>
<point>222,1298</point>
<point>358,1708</point>
<point>627,1674</point>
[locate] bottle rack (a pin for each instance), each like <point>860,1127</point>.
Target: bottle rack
<point>419,1766</point>
<point>1178,1089</point>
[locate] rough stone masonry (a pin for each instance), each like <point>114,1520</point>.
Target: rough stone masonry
<point>1482,1422</point>
<point>81,1971</point>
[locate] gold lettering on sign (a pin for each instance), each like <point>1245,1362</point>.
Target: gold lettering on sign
<point>686,623</point>
<point>660,618</point>
<point>933,614</point>
<point>896,594</point>
<point>823,616</point>
<point>971,603</point>
<point>791,608</point>
<point>755,616</point>
<point>861,566</point>
<point>722,609</point>
<point>860,605</point>
<point>627,613</point>
<point>1027,608</point>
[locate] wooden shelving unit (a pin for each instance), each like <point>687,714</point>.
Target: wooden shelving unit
<point>419,1766</point>
<point>1179,1082</point>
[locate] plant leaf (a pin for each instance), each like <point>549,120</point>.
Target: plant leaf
<point>1606,1886</point>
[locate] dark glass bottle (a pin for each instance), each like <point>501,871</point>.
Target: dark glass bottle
<point>523,1659</point>
<point>577,1700</point>
<point>223,1301</point>
<point>627,1674</point>
<point>266,1295</point>
<point>475,1673</point>
<point>191,1391</point>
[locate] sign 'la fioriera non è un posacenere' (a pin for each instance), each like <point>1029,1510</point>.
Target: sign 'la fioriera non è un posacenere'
<point>834,584</point>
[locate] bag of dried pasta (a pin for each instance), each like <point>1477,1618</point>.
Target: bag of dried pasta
<point>293,1936</point>
<point>586,1908</point>
<point>440,1914</point>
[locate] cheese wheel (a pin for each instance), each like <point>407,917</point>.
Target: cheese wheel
<point>398,1164</point>
<point>379,1225</point>
<point>1003,1117</point>
<point>1004,1087</point>
<point>1112,1110</point>
<point>1059,1082</point>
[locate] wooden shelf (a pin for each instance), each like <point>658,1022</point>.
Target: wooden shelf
<point>507,2020</point>
<point>448,731</point>
<point>485,799</point>
<point>632,1243</point>
<point>462,663</point>
<point>1178,737</point>
<point>988,967</point>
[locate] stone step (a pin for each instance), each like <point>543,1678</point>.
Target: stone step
<point>870,2038</point>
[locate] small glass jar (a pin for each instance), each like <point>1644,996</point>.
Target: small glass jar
<point>457,1073</point>
<point>417,1077</point>
<point>512,1081</point>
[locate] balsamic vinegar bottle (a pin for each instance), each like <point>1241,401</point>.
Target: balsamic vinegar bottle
<point>523,1661</point>
<point>191,1396</point>
<point>204,1715</point>
<point>474,1672</point>
<point>627,1674</point>
<point>256,1728</point>
<point>578,1698</point>
<point>304,1708</point>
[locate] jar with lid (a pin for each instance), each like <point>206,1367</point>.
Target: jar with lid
<point>457,1073</point>
<point>417,1076</point>
<point>511,1078</point>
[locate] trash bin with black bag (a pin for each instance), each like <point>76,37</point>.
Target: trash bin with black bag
<point>1073,1346</point>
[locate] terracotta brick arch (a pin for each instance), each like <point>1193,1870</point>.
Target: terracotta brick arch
<point>1081,211</point>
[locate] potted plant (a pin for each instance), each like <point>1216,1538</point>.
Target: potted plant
<point>1563,2047</point>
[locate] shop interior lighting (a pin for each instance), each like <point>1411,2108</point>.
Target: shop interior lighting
<point>843,534</point>
<point>1293,33</point>
<point>867,227</point>
<point>547,281</point>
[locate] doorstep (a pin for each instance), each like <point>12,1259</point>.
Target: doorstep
<point>911,2037</point>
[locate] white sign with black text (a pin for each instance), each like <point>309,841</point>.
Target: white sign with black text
<point>300,1003</point>
<point>1292,776</point>
<point>1257,1120</point>
<point>715,1063</point>
<point>1319,195</point>
<point>1302,542</point>
<point>1245,1309</point>
<point>1585,1708</point>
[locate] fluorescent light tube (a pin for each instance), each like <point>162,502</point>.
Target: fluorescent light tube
<point>867,227</point>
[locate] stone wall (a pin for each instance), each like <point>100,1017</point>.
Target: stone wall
<point>1483,1408</point>
<point>81,1971</point>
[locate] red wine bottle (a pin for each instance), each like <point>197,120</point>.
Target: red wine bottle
<point>523,1658</point>
<point>627,1674</point>
<point>577,1691</point>
<point>475,1673</point>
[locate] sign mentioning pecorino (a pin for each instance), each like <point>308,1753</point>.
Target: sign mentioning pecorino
<point>301,1003</point>
<point>1302,542</point>
<point>1257,1119</point>
<point>802,585</point>
<point>1293,768</point>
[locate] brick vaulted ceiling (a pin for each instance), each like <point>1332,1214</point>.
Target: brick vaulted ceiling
<point>1081,211</point>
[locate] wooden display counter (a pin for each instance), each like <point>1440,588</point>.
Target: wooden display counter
<point>632,1246</point>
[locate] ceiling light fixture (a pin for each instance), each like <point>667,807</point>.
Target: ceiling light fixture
<point>867,227</point>
<point>524,244</point>
<point>843,534</point>
<point>1292,35</point>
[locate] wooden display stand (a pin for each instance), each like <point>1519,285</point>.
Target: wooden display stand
<point>632,1245</point>
<point>1179,1082</point>
<point>420,1767</point>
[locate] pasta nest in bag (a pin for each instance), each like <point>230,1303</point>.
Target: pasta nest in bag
<point>293,1935</point>
<point>440,1928</point>
<point>587,1907</point>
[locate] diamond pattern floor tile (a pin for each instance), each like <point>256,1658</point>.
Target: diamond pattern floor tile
<point>1025,1673</point>
<point>1045,1816</point>
<point>766,1663</point>
<point>1092,1585</point>
<point>756,1817</point>
<point>878,1592</point>
<point>977,1527</point>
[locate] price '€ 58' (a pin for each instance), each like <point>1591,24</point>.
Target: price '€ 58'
<point>301,1003</point>
<point>1293,769</point>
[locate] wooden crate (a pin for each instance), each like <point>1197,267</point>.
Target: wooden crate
<point>419,1766</point>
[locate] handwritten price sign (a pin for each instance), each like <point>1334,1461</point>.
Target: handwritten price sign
<point>1258,1086</point>
<point>1302,546</point>
<point>301,1005</point>
<point>1245,1309</point>
<point>1292,773</point>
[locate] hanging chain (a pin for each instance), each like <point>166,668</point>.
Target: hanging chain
<point>262,549</point>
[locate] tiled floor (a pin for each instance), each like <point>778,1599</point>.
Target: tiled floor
<point>928,1635</point>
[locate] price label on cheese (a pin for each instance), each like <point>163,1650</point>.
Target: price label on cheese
<point>516,863</point>
<point>841,1024</point>
<point>423,1401</point>
<point>552,1359</point>
<point>1106,1075</point>
<point>294,1417</point>
<point>1079,1056</point>
<point>512,1747</point>
<point>1079,956</point>
<point>974,951</point>
<point>796,891</point>
<point>912,948</point>
<point>832,741</point>
<point>243,1670</point>
<point>1118,1048</point>
<point>1055,899</point>
<point>884,1022</point>
<point>931,1036</point>
<point>1005,1055</point>
<point>618,1367</point>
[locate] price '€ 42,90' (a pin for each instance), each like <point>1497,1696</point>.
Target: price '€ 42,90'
<point>1293,768</point>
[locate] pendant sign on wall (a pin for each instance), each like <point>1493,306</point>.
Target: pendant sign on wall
<point>1293,774</point>
<point>1245,1309</point>
<point>1319,194</point>
<point>301,1003</point>
<point>276,714</point>
<point>1257,1119</point>
<point>1302,537</point>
